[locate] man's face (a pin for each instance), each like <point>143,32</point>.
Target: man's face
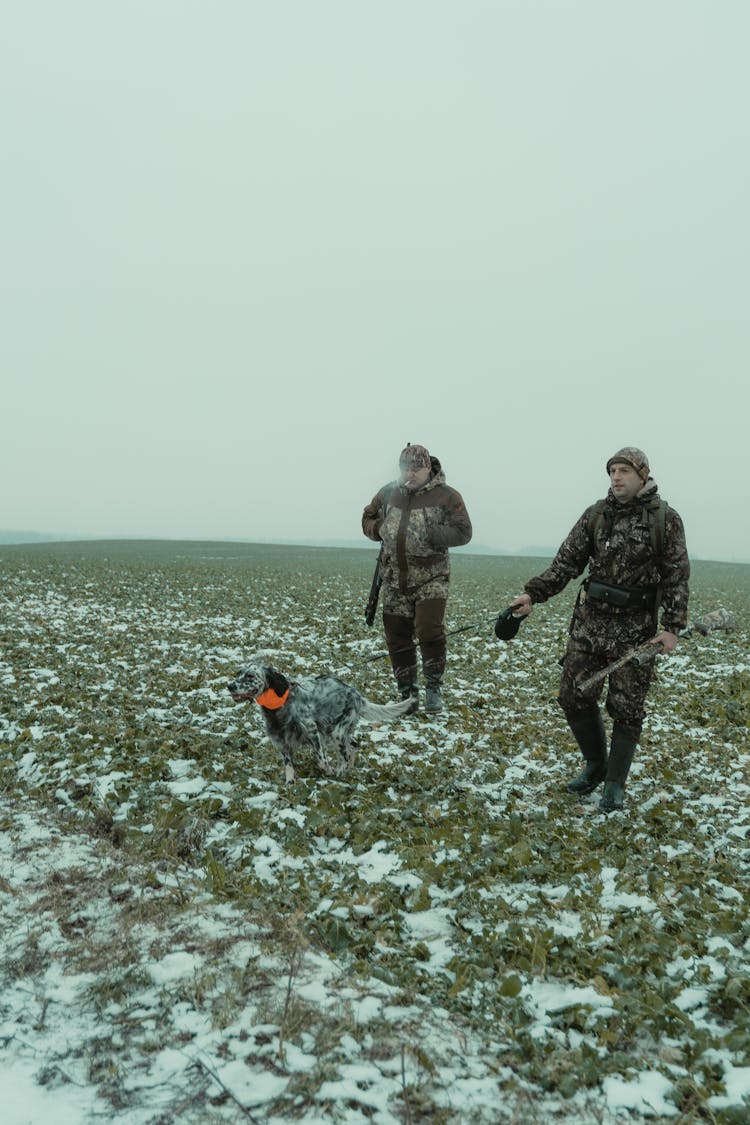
<point>413,478</point>
<point>625,481</point>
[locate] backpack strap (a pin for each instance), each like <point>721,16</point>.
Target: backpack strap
<point>597,522</point>
<point>657,519</point>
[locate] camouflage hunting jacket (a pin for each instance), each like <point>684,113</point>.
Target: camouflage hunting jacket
<point>416,529</point>
<point>618,549</point>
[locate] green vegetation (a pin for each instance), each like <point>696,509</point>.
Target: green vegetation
<point>449,873</point>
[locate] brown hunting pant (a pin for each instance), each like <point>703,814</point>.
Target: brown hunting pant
<point>422,624</point>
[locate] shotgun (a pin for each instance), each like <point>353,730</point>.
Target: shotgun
<point>718,620</point>
<point>377,582</point>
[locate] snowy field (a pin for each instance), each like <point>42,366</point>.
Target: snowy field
<point>442,936</point>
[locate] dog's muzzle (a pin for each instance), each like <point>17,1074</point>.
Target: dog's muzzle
<point>239,693</point>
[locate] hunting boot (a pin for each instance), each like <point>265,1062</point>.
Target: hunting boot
<point>410,691</point>
<point>624,742</point>
<point>588,731</point>
<point>432,647</point>
<point>433,700</point>
<point>406,682</point>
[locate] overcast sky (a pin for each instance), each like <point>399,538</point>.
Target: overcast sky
<point>252,248</point>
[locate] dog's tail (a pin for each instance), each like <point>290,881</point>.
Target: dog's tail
<point>386,712</point>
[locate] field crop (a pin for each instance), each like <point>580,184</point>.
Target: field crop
<point>443,935</point>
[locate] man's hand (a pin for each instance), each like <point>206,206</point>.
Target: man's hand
<point>668,641</point>
<point>522,605</point>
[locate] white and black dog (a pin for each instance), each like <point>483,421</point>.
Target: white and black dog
<point>311,711</point>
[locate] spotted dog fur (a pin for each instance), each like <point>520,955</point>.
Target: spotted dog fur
<point>319,710</point>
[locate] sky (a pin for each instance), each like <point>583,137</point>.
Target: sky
<point>249,250</point>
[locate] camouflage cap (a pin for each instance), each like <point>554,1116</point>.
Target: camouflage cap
<point>414,457</point>
<point>631,455</point>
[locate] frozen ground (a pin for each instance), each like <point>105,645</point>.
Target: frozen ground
<point>442,936</point>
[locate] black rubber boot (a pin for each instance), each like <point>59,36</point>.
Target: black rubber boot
<point>588,731</point>
<point>624,742</point>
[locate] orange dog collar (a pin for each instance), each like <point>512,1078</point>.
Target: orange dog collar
<point>270,700</point>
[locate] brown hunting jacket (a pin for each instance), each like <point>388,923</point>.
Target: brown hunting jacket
<point>416,529</point>
<point>622,554</point>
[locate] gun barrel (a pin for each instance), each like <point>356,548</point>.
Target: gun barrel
<point>719,619</point>
<point>641,655</point>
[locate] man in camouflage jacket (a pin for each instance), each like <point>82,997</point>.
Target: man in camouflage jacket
<point>631,577</point>
<point>417,518</point>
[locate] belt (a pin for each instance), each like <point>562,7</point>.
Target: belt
<point>622,597</point>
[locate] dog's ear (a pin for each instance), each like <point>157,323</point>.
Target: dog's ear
<point>276,681</point>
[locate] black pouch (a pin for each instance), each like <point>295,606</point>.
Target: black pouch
<point>612,595</point>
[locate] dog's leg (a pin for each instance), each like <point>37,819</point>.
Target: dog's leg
<point>288,764</point>
<point>320,753</point>
<point>346,757</point>
<point>342,736</point>
<point>284,744</point>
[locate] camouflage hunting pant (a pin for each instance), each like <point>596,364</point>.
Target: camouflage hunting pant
<point>598,637</point>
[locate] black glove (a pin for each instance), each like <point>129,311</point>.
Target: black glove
<point>507,625</point>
